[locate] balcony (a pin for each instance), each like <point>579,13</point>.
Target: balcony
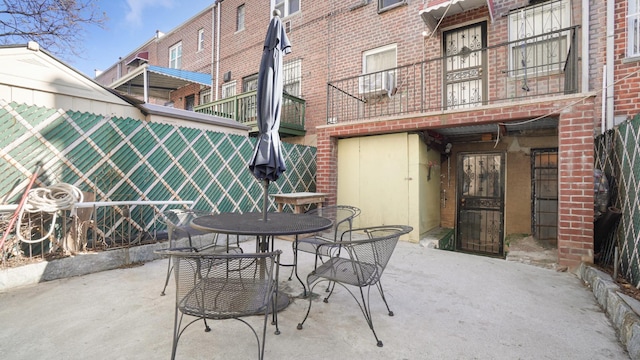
<point>535,67</point>
<point>242,108</point>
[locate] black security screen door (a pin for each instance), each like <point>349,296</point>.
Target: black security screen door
<point>480,206</point>
<point>544,185</point>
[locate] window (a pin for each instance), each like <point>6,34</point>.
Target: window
<point>229,89</point>
<point>175,56</point>
<point>250,83</point>
<point>189,102</point>
<point>240,18</point>
<point>383,4</point>
<point>633,28</point>
<point>228,108</point>
<point>540,53</point>
<point>291,76</point>
<point>205,97</point>
<point>200,39</point>
<point>247,104</point>
<point>287,7</point>
<point>374,80</point>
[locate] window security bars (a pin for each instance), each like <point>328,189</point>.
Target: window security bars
<point>419,87</point>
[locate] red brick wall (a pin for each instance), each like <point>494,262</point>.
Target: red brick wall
<point>575,139</point>
<point>158,48</point>
<point>575,193</point>
<point>241,51</point>
<point>627,78</point>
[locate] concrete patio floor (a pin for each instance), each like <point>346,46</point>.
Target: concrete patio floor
<point>447,306</point>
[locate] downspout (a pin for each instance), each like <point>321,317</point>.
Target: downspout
<point>217,60</point>
<point>145,81</point>
<point>585,46</point>
<point>214,81</point>
<point>609,61</point>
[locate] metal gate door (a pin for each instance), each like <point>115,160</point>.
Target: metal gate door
<point>465,66</point>
<point>480,207</point>
<point>544,168</point>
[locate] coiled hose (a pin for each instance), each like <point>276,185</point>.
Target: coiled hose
<point>49,199</point>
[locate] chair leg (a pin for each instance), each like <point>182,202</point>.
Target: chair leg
<point>166,281</point>
<point>176,334</point>
<point>294,249</point>
<point>366,311</point>
<point>299,327</point>
<point>330,287</point>
<point>379,285</point>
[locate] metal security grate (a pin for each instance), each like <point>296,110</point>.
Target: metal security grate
<point>618,156</point>
<point>124,159</point>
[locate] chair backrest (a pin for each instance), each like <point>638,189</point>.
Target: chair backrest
<point>371,248</point>
<point>179,220</point>
<point>223,286</point>
<point>342,216</point>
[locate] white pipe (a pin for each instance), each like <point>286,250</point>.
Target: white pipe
<point>585,46</point>
<point>213,47</point>
<point>218,4</point>
<point>604,95</point>
<point>609,61</point>
<point>145,82</point>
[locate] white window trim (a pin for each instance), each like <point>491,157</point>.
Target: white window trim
<point>203,96</point>
<point>229,85</point>
<point>244,17</point>
<point>389,7</point>
<point>286,11</point>
<point>380,81</point>
<point>566,17</point>
<point>295,67</point>
<point>200,39</point>
<point>177,59</point>
<point>633,15</point>
<point>385,48</point>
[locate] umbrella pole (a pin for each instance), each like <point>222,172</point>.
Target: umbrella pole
<point>265,199</point>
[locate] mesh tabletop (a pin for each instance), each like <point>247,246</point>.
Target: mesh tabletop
<point>277,223</point>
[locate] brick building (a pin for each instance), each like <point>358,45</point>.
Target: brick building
<point>177,66</point>
<point>474,115</point>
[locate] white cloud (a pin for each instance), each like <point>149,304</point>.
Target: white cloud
<point>137,9</point>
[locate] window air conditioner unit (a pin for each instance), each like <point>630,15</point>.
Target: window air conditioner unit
<point>377,83</point>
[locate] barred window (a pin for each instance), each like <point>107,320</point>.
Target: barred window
<point>633,28</point>
<point>543,50</point>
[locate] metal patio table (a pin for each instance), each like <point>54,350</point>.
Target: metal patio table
<point>252,224</point>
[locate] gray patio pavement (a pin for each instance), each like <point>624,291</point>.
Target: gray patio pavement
<point>447,306</point>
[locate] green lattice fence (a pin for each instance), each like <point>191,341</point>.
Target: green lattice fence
<point>618,156</point>
<point>124,159</point>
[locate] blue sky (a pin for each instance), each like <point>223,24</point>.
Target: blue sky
<point>131,23</point>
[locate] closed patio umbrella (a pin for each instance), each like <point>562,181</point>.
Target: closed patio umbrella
<point>267,163</point>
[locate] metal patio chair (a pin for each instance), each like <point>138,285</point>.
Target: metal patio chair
<point>358,263</point>
<point>342,217</point>
<point>178,223</point>
<point>225,286</point>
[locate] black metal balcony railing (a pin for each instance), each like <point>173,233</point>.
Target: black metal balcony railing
<point>532,67</point>
<point>242,108</point>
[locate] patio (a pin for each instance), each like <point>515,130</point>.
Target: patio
<point>447,306</point>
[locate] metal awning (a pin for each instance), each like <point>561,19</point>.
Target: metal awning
<point>512,128</point>
<point>158,82</point>
<point>434,10</point>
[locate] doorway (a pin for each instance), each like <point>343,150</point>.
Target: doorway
<point>544,185</point>
<point>480,205</point>
<point>465,66</point>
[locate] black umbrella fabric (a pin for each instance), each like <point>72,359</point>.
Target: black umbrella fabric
<point>267,163</point>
